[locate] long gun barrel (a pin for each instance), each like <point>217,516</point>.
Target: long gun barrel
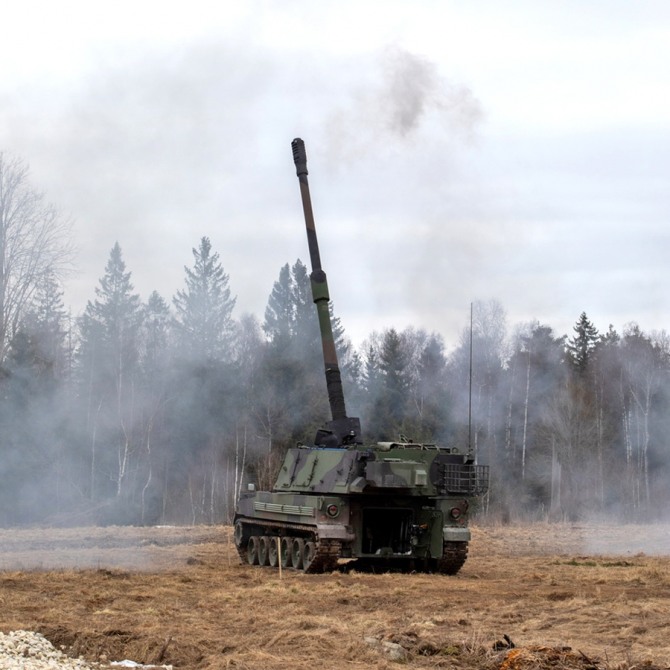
<point>344,429</point>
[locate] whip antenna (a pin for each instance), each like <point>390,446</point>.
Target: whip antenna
<point>470,390</point>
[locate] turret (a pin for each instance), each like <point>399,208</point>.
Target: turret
<point>342,430</point>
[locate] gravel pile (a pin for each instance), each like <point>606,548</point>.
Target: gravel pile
<point>25,650</point>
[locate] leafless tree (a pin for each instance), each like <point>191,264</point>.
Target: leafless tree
<point>34,242</point>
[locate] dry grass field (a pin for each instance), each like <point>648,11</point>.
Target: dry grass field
<point>568,596</point>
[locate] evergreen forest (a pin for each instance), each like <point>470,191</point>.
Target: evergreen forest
<point>161,411</point>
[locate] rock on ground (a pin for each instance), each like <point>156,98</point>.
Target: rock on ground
<point>26,650</point>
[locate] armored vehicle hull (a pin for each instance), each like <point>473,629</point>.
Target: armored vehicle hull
<point>391,505</point>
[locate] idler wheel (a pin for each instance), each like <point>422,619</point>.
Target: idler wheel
<point>308,555</point>
<point>263,550</point>
<point>273,552</point>
<point>297,553</point>
<point>252,550</point>
<point>286,549</point>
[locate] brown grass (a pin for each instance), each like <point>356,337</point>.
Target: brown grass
<point>569,597</point>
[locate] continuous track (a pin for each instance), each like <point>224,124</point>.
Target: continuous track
<point>453,557</point>
<point>296,546</point>
<point>299,547</point>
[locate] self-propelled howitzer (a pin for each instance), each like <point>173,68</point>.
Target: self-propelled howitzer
<point>389,505</point>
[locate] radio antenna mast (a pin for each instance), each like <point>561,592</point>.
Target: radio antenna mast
<point>470,391</point>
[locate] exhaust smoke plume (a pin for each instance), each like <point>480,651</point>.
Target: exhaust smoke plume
<point>407,94</point>
<point>413,88</point>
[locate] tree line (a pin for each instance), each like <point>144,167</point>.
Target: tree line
<point>161,411</point>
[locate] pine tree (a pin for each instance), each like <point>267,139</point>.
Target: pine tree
<point>107,362</point>
<point>391,403</point>
<point>46,323</point>
<point>155,335</point>
<point>25,424</point>
<point>307,334</point>
<point>293,399</point>
<point>430,394</point>
<point>110,324</point>
<point>371,375</point>
<point>153,407</point>
<point>279,321</point>
<point>582,344</point>
<point>33,410</point>
<point>291,322</point>
<point>204,409</point>
<point>204,323</point>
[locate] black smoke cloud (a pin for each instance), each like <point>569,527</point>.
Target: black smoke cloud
<point>403,95</point>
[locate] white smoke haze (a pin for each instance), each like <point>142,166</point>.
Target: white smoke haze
<point>88,547</point>
<point>455,154</point>
<point>627,540</point>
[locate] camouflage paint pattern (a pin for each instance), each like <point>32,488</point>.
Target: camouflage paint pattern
<point>409,490</point>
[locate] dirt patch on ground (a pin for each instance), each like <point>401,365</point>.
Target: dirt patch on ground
<point>571,597</point>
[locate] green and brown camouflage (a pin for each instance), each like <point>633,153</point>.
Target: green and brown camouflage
<point>389,505</point>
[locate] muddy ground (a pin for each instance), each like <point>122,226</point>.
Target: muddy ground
<point>567,596</point>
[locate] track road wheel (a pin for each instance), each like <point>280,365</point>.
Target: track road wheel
<point>273,552</point>
<point>252,550</point>
<point>286,549</point>
<point>308,555</point>
<point>263,550</point>
<point>297,552</point>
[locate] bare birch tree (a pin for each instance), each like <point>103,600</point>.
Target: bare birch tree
<point>34,242</point>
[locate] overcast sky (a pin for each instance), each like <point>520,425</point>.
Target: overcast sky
<point>458,151</point>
